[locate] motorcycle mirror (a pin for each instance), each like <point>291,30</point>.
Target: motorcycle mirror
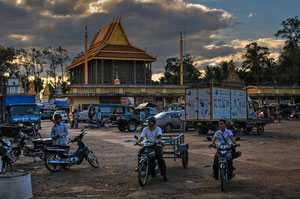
<point>209,138</point>
<point>237,139</point>
<point>136,137</point>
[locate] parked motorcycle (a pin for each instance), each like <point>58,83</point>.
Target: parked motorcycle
<point>5,159</point>
<point>105,123</point>
<point>30,147</point>
<point>74,123</point>
<point>144,162</point>
<point>57,158</point>
<point>31,130</point>
<point>94,124</point>
<point>224,154</point>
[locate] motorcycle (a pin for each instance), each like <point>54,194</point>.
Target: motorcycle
<point>30,147</point>
<point>57,158</point>
<point>94,124</point>
<point>5,159</point>
<point>224,154</point>
<point>74,123</point>
<point>31,130</point>
<point>144,161</point>
<point>105,123</point>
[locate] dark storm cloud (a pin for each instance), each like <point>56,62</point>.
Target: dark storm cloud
<point>152,24</point>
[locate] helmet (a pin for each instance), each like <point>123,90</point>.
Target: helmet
<point>152,119</point>
<point>57,116</point>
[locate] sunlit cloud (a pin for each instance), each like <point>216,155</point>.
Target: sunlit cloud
<point>20,37</point>
<point>156,76</point>
<point>274,46</point>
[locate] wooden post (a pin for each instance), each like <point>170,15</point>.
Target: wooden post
<point>102,72</point>
<point>145,82</point>
<point>134,72</point>
<point>181,60</point>
<point>85,58</point>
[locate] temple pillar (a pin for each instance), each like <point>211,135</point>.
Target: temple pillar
<point>102,74</point>
<point>134,72</point>
<point>113,71</point>
<point>145,73</point>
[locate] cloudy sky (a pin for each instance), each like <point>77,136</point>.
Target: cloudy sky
<point>216,30</point>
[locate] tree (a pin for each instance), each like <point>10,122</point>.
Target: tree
<point>7,57</point>
<point>37,60</point>
<point>216,74</point>
<point>255,59</point>
<point>27,66</point>
<point>50,54</point>
<point>289,60</point>
<point>38,84</point>
<point>172,71</point>
<point>62,57</point>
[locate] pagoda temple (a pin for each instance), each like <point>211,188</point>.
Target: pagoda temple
<point>109,54</point>
<point>114,71</point>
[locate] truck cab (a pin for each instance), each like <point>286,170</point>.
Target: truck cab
<point>23,114</point>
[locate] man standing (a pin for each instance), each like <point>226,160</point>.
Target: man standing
<point>59,131</point>
<point>153,134</point>
<point>182,119</point>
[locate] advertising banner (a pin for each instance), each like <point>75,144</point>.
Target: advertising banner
<point>221,103</point>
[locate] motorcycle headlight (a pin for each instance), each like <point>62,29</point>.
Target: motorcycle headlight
<point>223,152</point>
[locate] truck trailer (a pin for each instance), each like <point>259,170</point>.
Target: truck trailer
<point>205,106</point>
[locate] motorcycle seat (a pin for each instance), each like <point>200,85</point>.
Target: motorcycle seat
<point>43,141</point>
<point>68,154</point>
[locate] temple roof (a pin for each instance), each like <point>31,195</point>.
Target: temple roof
<point>111,42</point>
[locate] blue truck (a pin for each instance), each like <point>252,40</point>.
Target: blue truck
<point>20,110</point>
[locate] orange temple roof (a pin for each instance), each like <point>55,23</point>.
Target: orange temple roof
<point>111,42</point>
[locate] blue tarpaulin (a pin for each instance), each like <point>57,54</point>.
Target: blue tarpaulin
<point>19,99</point>
<point>62,103</point>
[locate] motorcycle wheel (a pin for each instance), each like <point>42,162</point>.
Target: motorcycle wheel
<point>185,158</point>
<point>15,154</point>
<point>222,178</point>
<point>121,128</point>
<point>6,167</point>
<point>106,125</point>
<point>143,173</point>
<point>92,159</point>
<point>53,167</point>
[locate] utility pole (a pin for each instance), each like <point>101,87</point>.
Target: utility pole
<point>85,58</point>
<point>181,60</point>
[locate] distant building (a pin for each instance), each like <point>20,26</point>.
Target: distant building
<point>13,85</point>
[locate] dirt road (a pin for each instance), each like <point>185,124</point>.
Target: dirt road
<point>269,168</point>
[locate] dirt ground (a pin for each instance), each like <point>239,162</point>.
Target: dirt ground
<point>269,168</point>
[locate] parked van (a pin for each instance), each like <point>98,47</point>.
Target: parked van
<point>107,109</point>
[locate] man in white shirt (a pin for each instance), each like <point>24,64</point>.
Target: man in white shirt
<point>223,136</point>
<point>59,131</point>
<point>153,134</point>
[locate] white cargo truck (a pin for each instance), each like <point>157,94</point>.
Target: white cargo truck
<point>205,106</point>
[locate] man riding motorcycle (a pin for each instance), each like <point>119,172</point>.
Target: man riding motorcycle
<point>153,134</point>
<point>223,136</point>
